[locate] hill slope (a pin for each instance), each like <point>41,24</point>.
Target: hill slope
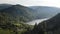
<point>18,11</point>
<point>13,17</point>
<point>45,11</point>
<point>50,26</point>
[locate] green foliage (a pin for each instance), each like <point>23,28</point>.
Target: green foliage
<point>13,25</point>
<point>12,20</point>
<point>2,31</point>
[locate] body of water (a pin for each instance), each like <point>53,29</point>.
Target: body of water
<point>36,21</point>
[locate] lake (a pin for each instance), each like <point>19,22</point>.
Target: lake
<point>36,21</point>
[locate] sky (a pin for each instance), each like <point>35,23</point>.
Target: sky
<point>52,3</point>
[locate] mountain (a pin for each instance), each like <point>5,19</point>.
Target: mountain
<point>13,19</point>
<point>50,26</point>
<point>4,6</point>
<point>21,12</point>
<point>54,22</point>
<point>45,11</point>
<point>29,13</point>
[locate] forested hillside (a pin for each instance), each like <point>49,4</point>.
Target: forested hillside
<point>45,11</point>
<point>50,26</point>
<point>12,19</point>
<point>18,11</point>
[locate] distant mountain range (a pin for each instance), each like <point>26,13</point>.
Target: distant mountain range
<point>28,13</point>
<point>45,11</point>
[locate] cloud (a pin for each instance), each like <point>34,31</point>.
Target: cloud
<point>54,3</point>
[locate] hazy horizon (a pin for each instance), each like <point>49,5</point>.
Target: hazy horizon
<point>52,3</point>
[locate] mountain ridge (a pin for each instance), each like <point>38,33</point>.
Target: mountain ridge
<point>19,11</point>
<point>45,11</point>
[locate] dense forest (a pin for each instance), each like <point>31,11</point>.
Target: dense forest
<point>50,26</point>
<point>14,17</point>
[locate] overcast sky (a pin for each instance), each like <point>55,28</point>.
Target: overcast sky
<point>53,3</point>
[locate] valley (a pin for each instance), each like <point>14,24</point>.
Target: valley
<point>18,19</point>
